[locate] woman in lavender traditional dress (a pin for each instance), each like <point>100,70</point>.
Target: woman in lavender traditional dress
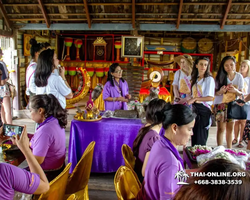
<point>147,136</point>
<point>164,160</point>
<point>115,91</point>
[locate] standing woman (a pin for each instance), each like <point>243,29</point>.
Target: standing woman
<point>164,160</point>
<point>35,50</point>
<point>203,87</point>
<point>228,85</point>
<point>181,83</point>
<point>49,82</point>
<point>240,124</point>
<point>115,91</point>
<point>5,93</point>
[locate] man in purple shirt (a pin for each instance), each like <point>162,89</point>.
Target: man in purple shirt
<point>16,179</point>
<point>115,91</point>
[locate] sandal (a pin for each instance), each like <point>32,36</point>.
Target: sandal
<point>240,145</point>
<point>234,142</point>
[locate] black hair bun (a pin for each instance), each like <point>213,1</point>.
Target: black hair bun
<point>33,41</point>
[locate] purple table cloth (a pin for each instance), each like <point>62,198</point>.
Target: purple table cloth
<point>109,135</point>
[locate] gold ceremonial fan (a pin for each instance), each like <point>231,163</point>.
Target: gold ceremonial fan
<point>155,76</point>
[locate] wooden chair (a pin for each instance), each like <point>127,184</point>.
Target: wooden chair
<point>78,180</point>
<point>129,160</point>
<point>126,185</point>
<point>57,186</point>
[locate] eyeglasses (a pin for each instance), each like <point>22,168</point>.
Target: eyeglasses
<point>118,71</point>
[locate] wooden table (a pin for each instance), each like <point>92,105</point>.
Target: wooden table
<point>187,160</point>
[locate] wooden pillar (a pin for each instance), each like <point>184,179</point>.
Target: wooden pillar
<point>247,47</point>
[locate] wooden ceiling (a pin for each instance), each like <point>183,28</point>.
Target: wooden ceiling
<point>177,12</point>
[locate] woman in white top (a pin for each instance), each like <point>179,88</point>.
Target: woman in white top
<point>49,82</point>
<point>181,83</point>
<point>228,85</point>
<point>203,87</point>
<point>35,50</point>
<point>240,124</point>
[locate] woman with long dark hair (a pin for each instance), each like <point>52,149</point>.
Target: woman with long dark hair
<point>164,160</point>
<point>35,50</point>
<point>147,136</point>
<point>228,85</point>
<point>116,91</point>
<point>48,143</point>
<point>203,87</point>
<point>48,81</point>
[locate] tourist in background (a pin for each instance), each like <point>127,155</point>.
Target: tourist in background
<point>203,87</point>
<point>35,50</point>
<point>5,93</point>
<point>228,85</point>
<point>182,77</point>
<point>239,125</point>
<point>116,91</point>
<point>49,82</point>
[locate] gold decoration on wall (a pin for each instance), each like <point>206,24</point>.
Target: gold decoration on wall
<point>99,41</point>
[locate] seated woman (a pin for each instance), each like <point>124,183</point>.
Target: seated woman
<point>232,189</point>
<point>147,136</point>
<point>164,160</point>
<point>48,143</point>
<point>115,91</point>
<point>14,179</point>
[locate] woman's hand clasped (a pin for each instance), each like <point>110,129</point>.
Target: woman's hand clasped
<point>122,99</point>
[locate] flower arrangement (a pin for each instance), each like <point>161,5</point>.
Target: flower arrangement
<point>236,152</point>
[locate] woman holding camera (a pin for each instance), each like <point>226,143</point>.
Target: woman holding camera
<point>14,179</point>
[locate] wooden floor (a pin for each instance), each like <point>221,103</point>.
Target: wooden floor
<point>101,186</point>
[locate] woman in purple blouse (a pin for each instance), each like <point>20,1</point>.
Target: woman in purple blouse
<point>115,91</point>
<point>14,179</point>
<point>164,160</point>
<point>48,144</point>
<point>147,136</point>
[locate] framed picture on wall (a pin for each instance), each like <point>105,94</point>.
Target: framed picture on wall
<point>26,44</point>
<point>132,46</point>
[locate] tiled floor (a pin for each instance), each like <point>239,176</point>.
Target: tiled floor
<point>101,186</point>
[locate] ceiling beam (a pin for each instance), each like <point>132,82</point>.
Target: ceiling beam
<point>129,4</point>
<point>6,19</point>
<point>179,14</point>
<point>226,14</point>
<point>87,12</point>
<point>45,16</point>
<point>128,27</point>
<point>136,14</point>
<point>133,13</point>
<point>129,19</point>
